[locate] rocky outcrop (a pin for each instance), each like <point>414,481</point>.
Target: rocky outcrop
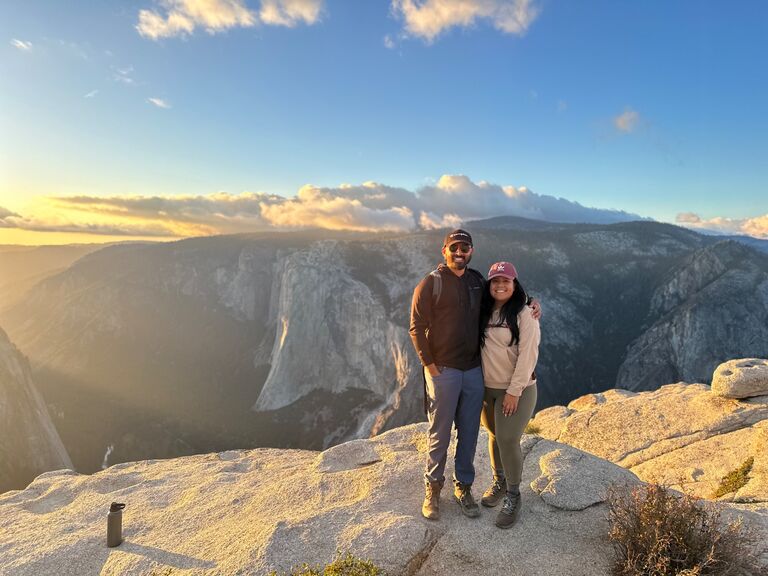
<point>29,443</point>
<point>741,378</point>
<point>250,512</point>
<point>681,435</point>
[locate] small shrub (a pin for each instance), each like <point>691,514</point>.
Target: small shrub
<point>656,532</point>
<point>532,428</point>
<point>346,565</point>
<point>735,479</point>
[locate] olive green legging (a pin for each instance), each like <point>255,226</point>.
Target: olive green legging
<point>504,432</point>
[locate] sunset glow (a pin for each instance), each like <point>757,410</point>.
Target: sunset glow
<point>163,120</point>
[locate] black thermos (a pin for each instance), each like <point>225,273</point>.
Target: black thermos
<point>115,524</point>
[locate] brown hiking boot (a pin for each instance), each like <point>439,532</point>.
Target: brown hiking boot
<point>431,507</point>
<point>463,495</point>
<point>495,493</point>
<point>508,513</point>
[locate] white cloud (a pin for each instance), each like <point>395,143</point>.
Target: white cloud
<point>687,218</point>
<point>183,17</point>
<point>159,102</point>
<point>290,12</point>
<point>627,121</point>
<point>320,208</point>
<point>427,19</point>
<point>389,42</point>
<point>369,206</point>
<point>123,75</point>
<point>91,94</point>
<point>430,221</point>
<point>756,227</point>
<point>22,45</point>
<point>7,218</point>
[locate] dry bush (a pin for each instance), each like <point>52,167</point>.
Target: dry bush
<point>658,532</point>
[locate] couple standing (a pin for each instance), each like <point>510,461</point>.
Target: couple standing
<point>458,321</point>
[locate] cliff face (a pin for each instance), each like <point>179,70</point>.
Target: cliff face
<point>29,443</point>
<point>301,339</point>
<point>714,307</point>
<point>332,334</point>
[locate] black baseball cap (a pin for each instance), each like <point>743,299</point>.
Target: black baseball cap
<point>457,235</point>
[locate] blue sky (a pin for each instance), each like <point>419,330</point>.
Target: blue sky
<point>654,108</point>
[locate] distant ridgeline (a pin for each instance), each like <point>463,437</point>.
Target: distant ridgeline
<point>301,339</point>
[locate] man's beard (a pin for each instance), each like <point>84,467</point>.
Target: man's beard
<point>451,263</point>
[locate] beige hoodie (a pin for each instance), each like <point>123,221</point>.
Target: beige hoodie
<point>511,367</point>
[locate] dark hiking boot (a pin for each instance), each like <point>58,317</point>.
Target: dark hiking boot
<point>495,493</point>
<point>463,495</point>
<point>431,507</point>
<point>508,513</point>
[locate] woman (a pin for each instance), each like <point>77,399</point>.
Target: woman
<point>509,340</point>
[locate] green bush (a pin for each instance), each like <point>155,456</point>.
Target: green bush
<point>657,532</point>
<point>346,565</point>
<point>735,479</point>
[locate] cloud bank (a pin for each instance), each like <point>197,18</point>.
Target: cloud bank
<point>183,17</point>
<point>427,19</point>
<point>756,227</point>
<point>367,207</point>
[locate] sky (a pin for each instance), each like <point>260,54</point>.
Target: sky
<point>160,119</point>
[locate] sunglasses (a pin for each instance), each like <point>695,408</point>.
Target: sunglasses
<point>460,246</point>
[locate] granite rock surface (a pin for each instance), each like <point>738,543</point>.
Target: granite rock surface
<point>248,512</point>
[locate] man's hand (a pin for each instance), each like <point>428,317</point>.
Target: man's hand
<point>433,370</point>
<point>509,406</point>
<point>535,309</point>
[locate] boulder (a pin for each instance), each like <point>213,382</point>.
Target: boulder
<point>741,378</point>
<point>574,480</point>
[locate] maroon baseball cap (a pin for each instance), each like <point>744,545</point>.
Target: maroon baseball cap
<point>457,235</point>
<point>505,269</point>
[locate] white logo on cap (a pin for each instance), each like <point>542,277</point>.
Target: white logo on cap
<point>500,267</point>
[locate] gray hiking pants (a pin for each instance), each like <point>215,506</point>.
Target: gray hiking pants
<point>454,396</point>
<point>504,432</point>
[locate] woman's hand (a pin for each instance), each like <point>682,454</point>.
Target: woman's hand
<point>509,405</point>
<point>535,309</point>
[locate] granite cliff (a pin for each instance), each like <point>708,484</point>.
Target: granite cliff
<point>29,443</point>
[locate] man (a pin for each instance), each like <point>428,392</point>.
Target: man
<point>444,329</point>
<point>445,324</point>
